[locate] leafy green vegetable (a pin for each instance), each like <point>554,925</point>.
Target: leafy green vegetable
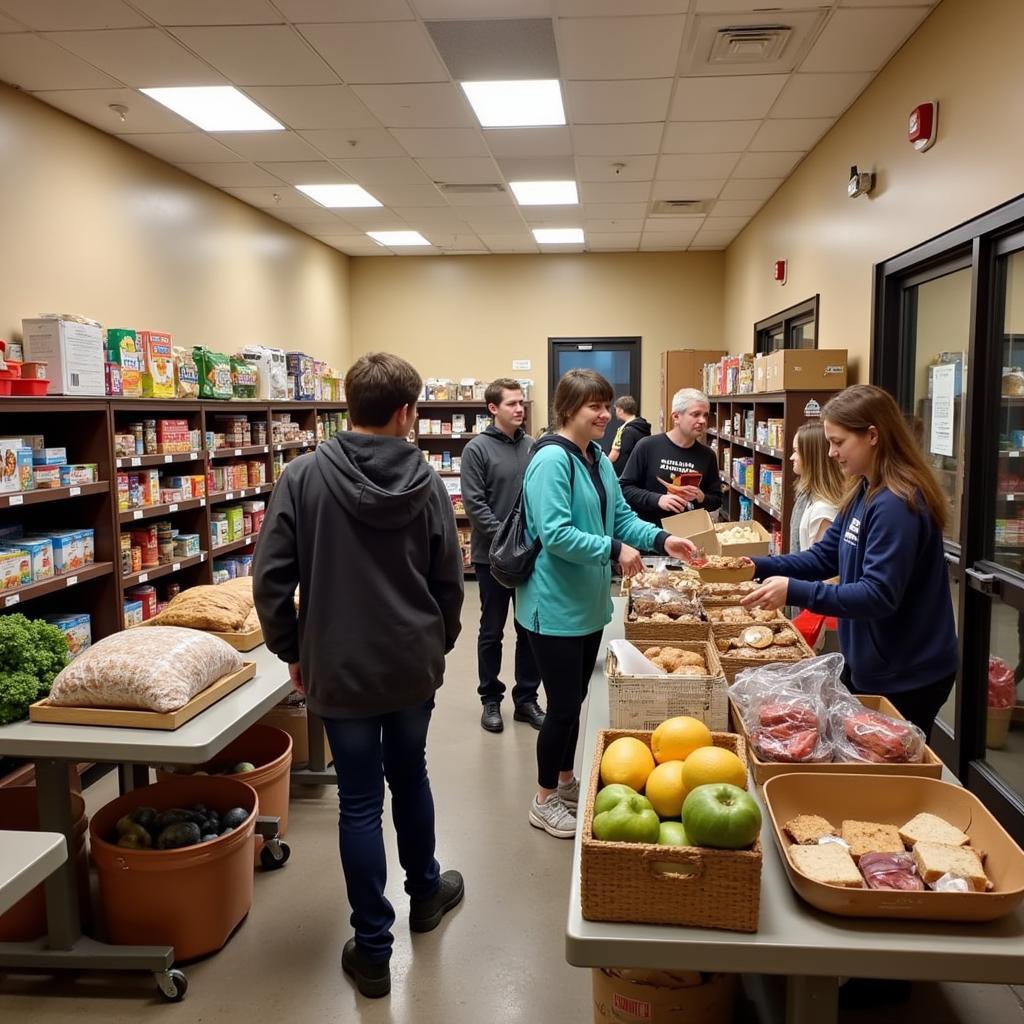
<point>32,652</point>
<point>17,691</point>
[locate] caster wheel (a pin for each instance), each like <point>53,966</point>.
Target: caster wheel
<point>275,854</point>
<point>172,985</point>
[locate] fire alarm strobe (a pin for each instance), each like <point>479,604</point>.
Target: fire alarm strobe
<point>921,127</point>
<point>779,271</point>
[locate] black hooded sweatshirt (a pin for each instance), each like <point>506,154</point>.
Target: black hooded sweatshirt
<point>366,529</point>
<point>632,431</point>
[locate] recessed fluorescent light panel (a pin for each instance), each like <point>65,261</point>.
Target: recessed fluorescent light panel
<point>516,104</point>
<point>559,236</point>
<point>545,193</point>
<point>339,196</point>
<point>396,238</point>
<point>217,108</point>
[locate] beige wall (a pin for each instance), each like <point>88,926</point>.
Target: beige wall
<point>966,55</point>
<point>470,316</point>
<point>93,226</point>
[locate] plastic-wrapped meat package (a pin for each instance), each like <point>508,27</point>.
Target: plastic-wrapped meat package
<point>1002,688</point>
<point>866,736</point>
<point>890,871</point>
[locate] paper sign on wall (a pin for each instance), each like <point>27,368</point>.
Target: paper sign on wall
<point>943,382</point>
<point>522,364</point>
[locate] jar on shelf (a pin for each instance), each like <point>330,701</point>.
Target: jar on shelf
<point>1013,381</point>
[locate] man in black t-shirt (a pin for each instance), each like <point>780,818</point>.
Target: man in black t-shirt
<point>654,481</point>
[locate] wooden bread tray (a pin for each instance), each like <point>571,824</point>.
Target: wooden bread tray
<point>243,641</point>
<point>136,718</point>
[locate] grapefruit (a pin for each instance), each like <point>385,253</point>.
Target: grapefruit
<point>676,738</point>
<point>626,761</point>
<point>710,765</point>
<point>666,789</point>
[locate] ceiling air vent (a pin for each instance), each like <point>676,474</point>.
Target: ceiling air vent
<point>469,190</point>
<point>679,207</point>
<point>748,44</point>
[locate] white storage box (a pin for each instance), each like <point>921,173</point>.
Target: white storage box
<point>73,351</point>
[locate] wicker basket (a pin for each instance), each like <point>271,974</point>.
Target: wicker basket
<point>732,665</point>
<point>644,702</point>
<point>645,883</point>
<point>663,632</point>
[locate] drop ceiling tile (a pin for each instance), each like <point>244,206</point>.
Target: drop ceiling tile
<point>353,143</point>
<point>750,188</point>
<point>258,54</point>
<point>708,136</point>
<point>819,95</point>
<point>746,6</point>
<point>231,175</point>
<point>610,139</point>
<point>471,201</point>
<point>344,10</point>
<point>496,49</point>
<point>767,165</point>
<point>10,25</point>
<point>670,230</point>
<point>614,211</point>
<point>780,134</point>
<point>465,171</point>
<point>183,148</point>
<point>715,238</point>
<point>388,171</point>
<point>552,140</point>
<point>466,243</point>
<point>695,188</point>
<point>93,107</point>
<point>633,47</point>
<point>888,3</point>
<point>141,57</point>
<point>280,198</point>
<point>431,105</point>
<point>613,226</point>
<point>306,172</point>
<point>510,243</point>
<point>706,248</point>
<point>58,15</point>
<point>725,224</point>
<point>736,207</point>
<point>494,8</point>
<point>441,142</point>
<point>373,219</point>
<point>601,241</point>
<point>264,146</point>
<point>603,168</point>
<point>661,243</point>
<point>615,191</point>
<point>563,216</point>
<point>210,12</point>
<point>618,102</point>
<point>436,217</point>
<point>354,245</point>
<point>388,51</point>
<point>33,63</point>
<point>314,106</point>
<point>687,166</point>
<point>595,8</point>
<point>862,40</point>
<point>319,220</point>
<point>416,196</point>
<point>725,97</point>
<point>538,168</point>
<point>498,219</point>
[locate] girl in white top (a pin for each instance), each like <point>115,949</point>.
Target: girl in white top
<point>819,482</point>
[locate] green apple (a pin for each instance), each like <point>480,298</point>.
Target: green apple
<point>721,815</point>
<point>608,797</point>
<point>672,833</point>
<point>243,766</point>
<point>631,820</point>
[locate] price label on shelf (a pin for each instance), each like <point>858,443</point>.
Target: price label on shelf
<point>176,566</point>
<point>143,577</point>
<point>71,581</point>
<point>172,508</point>
<point>74,492</point>
<point>266,448</point>
<point>202,556</point>
<point>136,461</point>
<point>16,499</point>
<point>137,514</point>
<point>202,503</point>
<point>241,494</point>
<point>168,458</point>
<point>11,599</point>
<point>238,451</point>
<point>230,496</point>
<point>249,540</point>
<point>1011,497</point>
<point>193,455</point>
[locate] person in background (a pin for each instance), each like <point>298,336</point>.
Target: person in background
<point>575,508</point>
<point>366,528</point>
<point>634,427</point>
<point>896,626</point>
<point>820,487</point>
<point>493,464</point>
<point>652,480</point>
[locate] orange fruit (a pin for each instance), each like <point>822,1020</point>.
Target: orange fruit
<point>676,738</point>
<point>713,764</point>
<point>666,789</point>
<point>628,761</point>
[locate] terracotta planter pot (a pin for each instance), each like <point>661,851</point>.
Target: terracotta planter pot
<point>997,727</point>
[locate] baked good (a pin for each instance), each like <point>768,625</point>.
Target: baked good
<point>871,837</point>
<point>219,609</point>
<point>933,860</point>
<point>807,829</point>
<point>933,829</point>
<point>829,863</point>
<point>676,661</point>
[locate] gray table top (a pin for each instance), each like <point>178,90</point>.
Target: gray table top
<point>793,938</point>
<point>193,743</point>
<point>26,859</point>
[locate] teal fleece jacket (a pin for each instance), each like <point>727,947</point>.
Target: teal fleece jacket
<point>569,591</point>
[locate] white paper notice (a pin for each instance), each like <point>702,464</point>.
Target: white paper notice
<point>631,661</point>
<point>943,380</point>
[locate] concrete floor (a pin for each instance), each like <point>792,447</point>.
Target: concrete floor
<point>498,958</point>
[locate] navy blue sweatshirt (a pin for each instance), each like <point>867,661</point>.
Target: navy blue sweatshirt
<point>895,612</point>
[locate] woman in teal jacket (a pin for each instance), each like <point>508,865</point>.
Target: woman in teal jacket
<point>574,505</point>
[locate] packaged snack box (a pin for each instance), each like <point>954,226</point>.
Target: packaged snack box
<point>123,349</point>
<point>158,364</point>
<point>77,630</point>
<point>45,477</point>
<point>25,477</point>
<point>234,514</point>
<point>88,539</point>
<point>79,473</point>
<point>186,374</point>
<point>40,554</point>
<point>49,456</point>
<point>132,614</point>
<point>214,373</point>
<point>68,550</point>
<point>10,480</point>
<point>15,569</point>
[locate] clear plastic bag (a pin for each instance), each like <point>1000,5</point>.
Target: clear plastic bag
<point>665,601</point>
<point>863,736</point>
<point>890,871</point>
<point>1002,689</point>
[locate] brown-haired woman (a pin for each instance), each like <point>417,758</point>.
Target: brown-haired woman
<point>820,487</point>
<point>896,627</point>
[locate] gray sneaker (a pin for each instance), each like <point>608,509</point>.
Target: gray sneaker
<point>569,792</point>
<point>554,816</point>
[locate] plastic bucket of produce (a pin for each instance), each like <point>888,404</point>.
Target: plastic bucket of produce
<point>192,897</point>
<point>26,920</point>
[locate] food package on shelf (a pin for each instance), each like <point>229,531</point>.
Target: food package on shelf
<point>186,374</point>
<point>214,373</point>
<point>300,369</point>
<point>157,352</point>
<point>123,349</point>
<point>272,372</point>
<point>244,378</point>
<point>72,348</point>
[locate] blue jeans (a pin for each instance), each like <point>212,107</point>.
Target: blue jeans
<point>366,751</point>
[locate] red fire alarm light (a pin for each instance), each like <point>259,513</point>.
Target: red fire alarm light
<point>779,271</point>
<point>922,126</point>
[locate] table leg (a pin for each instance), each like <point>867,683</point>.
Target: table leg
<point>132,776</point>
<point>53,796</point>
<point>812,1000</point>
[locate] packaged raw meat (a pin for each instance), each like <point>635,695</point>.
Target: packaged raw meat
<point>890,871</point>
<point>860,734</point>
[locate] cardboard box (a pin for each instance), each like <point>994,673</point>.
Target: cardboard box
<point>10,478</point>
<point>45,477</point>
<point>158,364</point>
<point>68,550</point>
<point>80,473</point>
<point>760,374</point>
<point>696,526</point>
<point>15,569</point>
<point>77,630</point>
<point>25,469</point>
<point>761,547</point>
<point>40,553</point>
<point>806,369</point>
<point>627,1001</point>
<point>73,350</point>
<point>123,349</point>
<point>49,456</point>
<point>132,614</point>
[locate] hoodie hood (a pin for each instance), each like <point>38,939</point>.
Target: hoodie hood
<point>382,481</point>
<point>640,425</point>
<point>493,431</point>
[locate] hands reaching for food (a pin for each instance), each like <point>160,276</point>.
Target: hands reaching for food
<point>681,548</point>
<point>630,561</point>
<point>773,593</point>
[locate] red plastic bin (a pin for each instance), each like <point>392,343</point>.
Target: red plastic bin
<point>34,387</point>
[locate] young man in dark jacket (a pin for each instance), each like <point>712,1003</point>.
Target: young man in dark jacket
<point>366,530</point>
<point>634,427</point>
<point>493,465</point>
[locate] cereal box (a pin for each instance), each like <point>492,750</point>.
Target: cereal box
<point>79,473</point>
<point>123,349</point>
<point>25,477</point>
<point>88,539</point>
<point>10,479</point>
<point>45,477</point>
<point>15,569</point>
<point>77,630</point>
<point>49,456</point>
<point>132,614</point>
<point>158,364</point>
<point>68,552</point>
<point>40,553</point>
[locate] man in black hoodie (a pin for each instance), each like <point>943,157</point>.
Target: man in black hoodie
<point>366,530</point>
<point>634,427</point>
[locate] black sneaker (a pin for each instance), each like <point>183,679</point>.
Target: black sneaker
<point>530,713</point>
<point>373,979</point>
<point>491,717</point>
<point>425,915</point>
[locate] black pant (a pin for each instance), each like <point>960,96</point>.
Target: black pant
<point>494,604</point>
<point>921,705</point>
<point>566,664</point>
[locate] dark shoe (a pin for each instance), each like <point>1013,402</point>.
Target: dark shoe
<point>372,979</point>
<point>491,718</point>
<point>425,915</point>
<point>529,713</point>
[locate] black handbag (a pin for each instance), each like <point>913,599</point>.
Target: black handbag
<point>511,555</point>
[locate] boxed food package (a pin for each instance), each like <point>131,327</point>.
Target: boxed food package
<point>158,364</point>
<point>663,997</point>
<point>186,374</point>
<point>88,539</point>
<point>219,529</point>
<point>68,550</point>
<point>49,456</point>
<point>760,374</point>
<point>132,614</point>
<point>25,469</point>
<point>40,554</point>
<point>10,479</point>
<point>806,369</point>
<point>123,349</point>
<point>73,348</point>
<point>244,378</point>
<point>15,569</point>
<point>78,473</point>
<point>696,526</point>
<point>300,368</point>
<point>272,372</point>
<point>214,373</point>
<point>44,477</point>
<point>173,436</point>
<point>112,379</point>
<point>234,515</point>
<point>739,539</point>
<point>77,630</point>
<point>186,545</point>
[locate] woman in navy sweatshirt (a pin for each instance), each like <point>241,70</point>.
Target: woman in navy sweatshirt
<point>896,626</point>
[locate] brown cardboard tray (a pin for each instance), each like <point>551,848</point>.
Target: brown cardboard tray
<point>895,801</point>
<point>930,767</point>
<point>712,575</point>
<point>135,718</point>
<point>243,641</point>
